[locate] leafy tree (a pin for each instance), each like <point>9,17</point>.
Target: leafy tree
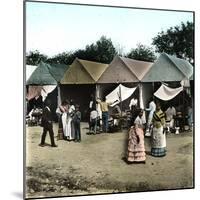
<point>62,58</point>
<point>34,57</point>
<point>101,51</point>
<point>177,41</point>
<point>143,53</point>
<point>105,50</point>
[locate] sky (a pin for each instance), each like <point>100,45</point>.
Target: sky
<point>55,28</point>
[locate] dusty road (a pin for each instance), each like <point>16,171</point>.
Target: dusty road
<point>96,166</point>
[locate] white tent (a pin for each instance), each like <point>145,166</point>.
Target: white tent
<point>29,70</point>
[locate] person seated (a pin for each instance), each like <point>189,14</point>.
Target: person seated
<point>116,111</point>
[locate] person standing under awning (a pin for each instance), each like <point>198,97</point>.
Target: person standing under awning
<point>104,108</point>
<point>151,109</point>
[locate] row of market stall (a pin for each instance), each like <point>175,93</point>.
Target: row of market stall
<point>122,79</point>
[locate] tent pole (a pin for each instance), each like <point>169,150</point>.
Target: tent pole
<point>183,109</point>
<point>59,96</point>
<point>120,99</point>
<point>153,86</point>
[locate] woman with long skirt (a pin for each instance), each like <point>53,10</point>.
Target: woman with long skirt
<point>69,127</point>
<point>60,111</point>
<point>136,148</point>
<point>158,139</point>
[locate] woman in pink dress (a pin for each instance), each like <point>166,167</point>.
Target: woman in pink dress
<point>136,149</point>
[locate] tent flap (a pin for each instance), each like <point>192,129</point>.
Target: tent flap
<point>122,91</point>
<point>166,93</point>
<point>46,89</point>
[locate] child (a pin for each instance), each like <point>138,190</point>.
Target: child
<point>77,120</point>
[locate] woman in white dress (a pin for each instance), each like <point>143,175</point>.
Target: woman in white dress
<point>61,113</point>
<point>69,125</point>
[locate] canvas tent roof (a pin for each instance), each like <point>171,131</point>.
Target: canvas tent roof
<point>41,76</point>
<point>83,72</point>
<point>183,65</point>
<point>58,71</point>
<point>125,70</point>
<point>168,68</point>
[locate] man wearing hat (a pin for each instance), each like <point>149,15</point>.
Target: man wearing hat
<point>47,124</point>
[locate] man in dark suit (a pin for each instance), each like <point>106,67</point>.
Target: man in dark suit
<point>47,124</point>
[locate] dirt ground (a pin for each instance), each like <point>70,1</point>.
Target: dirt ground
<point>95,165</point>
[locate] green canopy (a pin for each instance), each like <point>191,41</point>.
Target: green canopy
<point>183,65</point>
<point>168,68</point>
<point>58,71</point>
<point>42,76</point>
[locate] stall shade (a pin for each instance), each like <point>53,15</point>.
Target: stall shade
<point>80,94</point>
<point>41,85</point>
<point>120,93</point>
<point>166,93</point>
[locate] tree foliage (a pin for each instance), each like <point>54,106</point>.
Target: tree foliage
<point>62,58</point>
<point>142,52</point>
<point>102,51</point>
<point>34,57</point>
<point>177,41</point>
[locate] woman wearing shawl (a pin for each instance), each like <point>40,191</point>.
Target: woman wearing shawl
<point>136,149</point>
<point>158,148</point>
<point>61,113</point>
<point>69,128</point>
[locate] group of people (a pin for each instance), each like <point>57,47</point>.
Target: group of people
<point>136,147</point>
<point>157,125</point>
<point>69,118</point>
<point>99,110</point>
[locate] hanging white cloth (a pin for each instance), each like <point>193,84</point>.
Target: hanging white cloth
<point>166,93</point>
<point>142,102</point>
<point>59,96</point>
<point>141,97</point>
<point>122,91</point>
<point>46,89</point>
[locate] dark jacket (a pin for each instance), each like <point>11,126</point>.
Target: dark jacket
<point>77,117</point>
<point>46,117</point>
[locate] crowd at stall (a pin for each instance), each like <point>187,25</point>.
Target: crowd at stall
<point>136,81</point>
<point>100,120</point>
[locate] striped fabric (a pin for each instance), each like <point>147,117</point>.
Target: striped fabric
<point>158,119</point>
<point>158,152</point>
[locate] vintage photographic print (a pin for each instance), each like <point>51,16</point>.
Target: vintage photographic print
<point>109,99</point>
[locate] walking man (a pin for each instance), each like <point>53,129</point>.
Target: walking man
<point>47,124</point>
